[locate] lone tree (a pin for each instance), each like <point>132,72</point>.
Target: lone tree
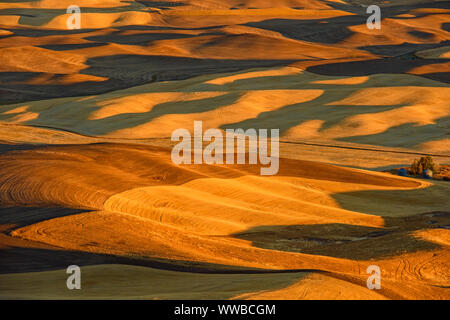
<point>424,163</point>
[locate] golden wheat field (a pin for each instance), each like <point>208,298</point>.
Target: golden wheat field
<point>87,175</point>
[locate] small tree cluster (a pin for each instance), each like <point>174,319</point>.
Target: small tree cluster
<point>424,163</point>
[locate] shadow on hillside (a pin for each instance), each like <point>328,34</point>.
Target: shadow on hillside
<point>377,66</point>
<point>350,241</point>
<point>141,69</point>
<point>121,72</point>
<point>407,134</point>
<point>395,203</point>
<point>23,216</point>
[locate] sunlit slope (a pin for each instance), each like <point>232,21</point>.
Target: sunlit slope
<point>122,44</point>
<point>385,110</point>
<point>86,175</point>
<point>145,207</point>
<point>31,176</point>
